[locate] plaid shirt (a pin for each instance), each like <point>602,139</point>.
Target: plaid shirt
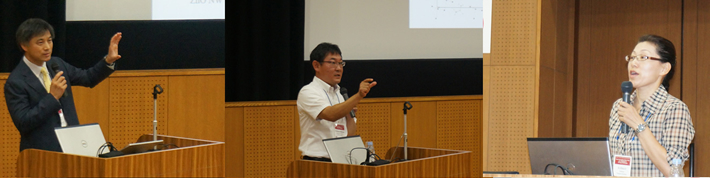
<point>668,119</point>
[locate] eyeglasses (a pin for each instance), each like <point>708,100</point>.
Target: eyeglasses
<point>630,58</point>
<point>342,64</point>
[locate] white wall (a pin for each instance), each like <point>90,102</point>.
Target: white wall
<point>101,10</point>
<point>379,29</point>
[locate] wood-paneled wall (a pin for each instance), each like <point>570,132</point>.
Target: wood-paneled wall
<point>695,84</point>
<point>510,85</point>
<point>192,106</point>
<point>256,131</point>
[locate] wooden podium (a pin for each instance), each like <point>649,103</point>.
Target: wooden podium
<point>423,162</point>
<point>192,158</point>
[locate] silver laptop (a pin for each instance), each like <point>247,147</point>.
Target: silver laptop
<point>81,139</point>
<point>581,156</point>
<point>346,150</point>
<point>141,147</point>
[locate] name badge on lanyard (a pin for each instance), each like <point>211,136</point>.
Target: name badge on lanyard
<point>339,125</point>
<point>339,130</point>
<point>622,165</point>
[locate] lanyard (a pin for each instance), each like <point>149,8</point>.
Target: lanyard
<point>336,96</point>
<point>632,139</point>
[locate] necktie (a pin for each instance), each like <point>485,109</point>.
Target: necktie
<point>45,80</point>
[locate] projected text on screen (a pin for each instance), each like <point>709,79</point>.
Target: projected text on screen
<point>187,9</point>
<point>446,14</point>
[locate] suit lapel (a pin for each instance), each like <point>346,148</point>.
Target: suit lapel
<point>31,79</point>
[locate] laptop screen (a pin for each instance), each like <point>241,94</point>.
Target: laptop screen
<point>581,156</point>
<point>81,139</point>
<point>341,150</point>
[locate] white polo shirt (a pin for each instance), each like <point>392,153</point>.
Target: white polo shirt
<point>312,99</point>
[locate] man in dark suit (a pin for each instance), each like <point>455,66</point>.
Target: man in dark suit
<point>38,102</point>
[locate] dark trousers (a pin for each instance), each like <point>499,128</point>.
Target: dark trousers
<point>316,159</point>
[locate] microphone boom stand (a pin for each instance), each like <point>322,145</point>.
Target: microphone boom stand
<point>156,90</point>
<point>407,106</point>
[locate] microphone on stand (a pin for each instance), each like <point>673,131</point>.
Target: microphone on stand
<point>626,88</point>
<point>157,89</point>
<point>344,92</point>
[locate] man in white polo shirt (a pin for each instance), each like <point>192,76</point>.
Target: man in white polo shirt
<point>323,112</point>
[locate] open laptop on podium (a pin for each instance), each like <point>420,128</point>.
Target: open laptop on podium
<point>580,156</point>
<point>87,139</point>
<point>346,150</point>
<point>81,139</point>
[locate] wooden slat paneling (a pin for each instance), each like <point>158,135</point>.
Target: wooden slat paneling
<point>459,127</point>
<point>511,84</point>
<point>234,141</point>
<point>92,105</point>
<point>511,118</point>
<point>373,121</point>
<point>268,133</point>
<point>700,112</point>
<point>10,143</point>
<point>131,108</point>
<point>421,124</point>
<point>194,101</point>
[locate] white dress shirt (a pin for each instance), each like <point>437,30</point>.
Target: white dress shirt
<point>312,99</point>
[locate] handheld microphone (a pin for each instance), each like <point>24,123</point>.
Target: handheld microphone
<point>344,92</point>
<point>626,88</point>
<point>55,68</point>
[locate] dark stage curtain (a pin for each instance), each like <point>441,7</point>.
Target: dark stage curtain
<point>267,61</point>
<point>14,12</point>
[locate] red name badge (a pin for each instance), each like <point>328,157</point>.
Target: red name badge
<point>340,127</point>
<point>623,160</point>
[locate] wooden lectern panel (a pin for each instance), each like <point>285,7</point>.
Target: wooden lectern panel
<point>268,140</point>
<point>10,138</point>
<point>373,124</point>
<point>194,158</point>
<point>512,118</point>
<point>424,162</point>
<point>131,108</point>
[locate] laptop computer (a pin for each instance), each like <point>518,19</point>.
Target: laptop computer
<point>81,139</point>
<point>581,156</point>
<point>141,147</point>
<point>341,150</point>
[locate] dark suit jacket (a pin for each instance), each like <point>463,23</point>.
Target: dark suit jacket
<point>35,112</point>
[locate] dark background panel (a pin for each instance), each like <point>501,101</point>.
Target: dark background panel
<point>160,44</point>
<point>412,77</point>
<point>14,12</point>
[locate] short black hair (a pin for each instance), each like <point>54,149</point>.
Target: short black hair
<point>32,28</point>
<point>666,50</point>
<point>322,50</point>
